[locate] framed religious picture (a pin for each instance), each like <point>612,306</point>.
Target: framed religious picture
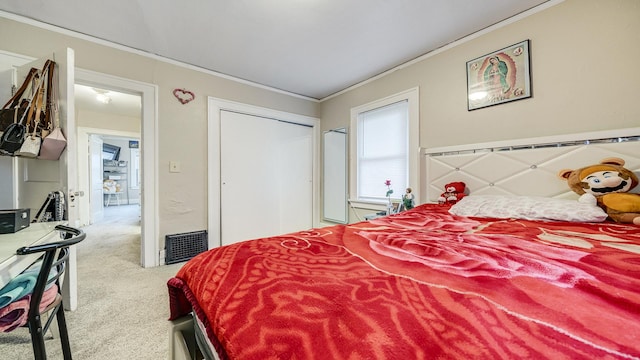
<point>499,77</point>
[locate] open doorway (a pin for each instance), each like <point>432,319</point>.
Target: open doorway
<point>114,176</point>
<point>149,252</point>
<point>109,124</point>
<point>145,131</point>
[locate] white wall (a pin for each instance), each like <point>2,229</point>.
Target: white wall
<point>7,194</point>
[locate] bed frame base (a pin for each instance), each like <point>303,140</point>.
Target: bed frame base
<point>182,340</point>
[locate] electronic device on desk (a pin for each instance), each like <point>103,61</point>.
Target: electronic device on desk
<point>14,220</point>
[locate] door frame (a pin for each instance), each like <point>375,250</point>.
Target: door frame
<point>215,106</point>
<point>149,244</point>
<point>95,178</point>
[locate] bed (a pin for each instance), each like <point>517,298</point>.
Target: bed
<point>428,283</point>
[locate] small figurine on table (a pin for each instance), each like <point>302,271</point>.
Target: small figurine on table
<point>408,200</point>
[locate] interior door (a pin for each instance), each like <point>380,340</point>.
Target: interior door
<point>6,79</point>
<point>96,199</point>
<point>266,177</point>
<point>8,196</point>
<point>7,164</point>
<point>43,176</point>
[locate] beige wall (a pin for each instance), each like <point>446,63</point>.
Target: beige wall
<point>97,120</point>
<point>182,129</point>
<point>585,74</point>
<point>584,77</point>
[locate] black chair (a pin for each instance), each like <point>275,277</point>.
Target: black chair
<point>55,257</point>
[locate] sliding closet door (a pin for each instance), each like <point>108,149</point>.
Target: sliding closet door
<point>266,177</point>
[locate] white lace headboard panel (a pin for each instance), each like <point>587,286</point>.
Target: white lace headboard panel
<point>527,166</point>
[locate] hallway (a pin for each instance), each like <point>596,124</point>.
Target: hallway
<point>118,232</point>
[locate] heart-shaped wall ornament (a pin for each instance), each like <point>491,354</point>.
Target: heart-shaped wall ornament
<point>184,96</point>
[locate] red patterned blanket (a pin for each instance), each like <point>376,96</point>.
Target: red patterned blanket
<point>422,284</point>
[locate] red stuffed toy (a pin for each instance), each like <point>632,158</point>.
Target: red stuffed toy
<point>453,192</point>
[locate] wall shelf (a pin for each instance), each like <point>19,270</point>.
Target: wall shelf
<point>115,180</point>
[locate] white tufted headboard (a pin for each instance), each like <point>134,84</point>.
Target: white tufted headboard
<point>527,166</point>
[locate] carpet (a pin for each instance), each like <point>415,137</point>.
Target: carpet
<point>122,308</point>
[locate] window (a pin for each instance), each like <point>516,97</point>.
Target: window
<point>384,146</point>
<point>382,150</point>
<point>110,152</point>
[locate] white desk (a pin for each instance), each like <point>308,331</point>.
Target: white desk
<point>11,265</point>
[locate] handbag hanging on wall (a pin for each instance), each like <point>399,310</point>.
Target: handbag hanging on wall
<point>31,144</point>
<point>14,136</point>
<point>54,143</point>
<point>16,106</point>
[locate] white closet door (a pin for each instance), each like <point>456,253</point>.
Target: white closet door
<point>266,177</point>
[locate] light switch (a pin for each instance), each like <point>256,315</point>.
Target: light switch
<point>174,166</point>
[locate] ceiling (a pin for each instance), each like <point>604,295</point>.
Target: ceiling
<point>313,48</point>
<point>119,104</point>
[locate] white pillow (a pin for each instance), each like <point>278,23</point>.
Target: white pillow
<point>527,207</point>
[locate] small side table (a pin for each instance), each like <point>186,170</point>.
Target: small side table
<point>375,215</point>
<point>110,196</point>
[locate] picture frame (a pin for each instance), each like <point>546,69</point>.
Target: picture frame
<point>499,77</point>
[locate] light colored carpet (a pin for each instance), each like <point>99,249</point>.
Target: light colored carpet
<point>122,308</point>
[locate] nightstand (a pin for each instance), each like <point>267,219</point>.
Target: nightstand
<point>375,215</point>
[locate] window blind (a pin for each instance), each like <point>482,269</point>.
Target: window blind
<point>382,151</point>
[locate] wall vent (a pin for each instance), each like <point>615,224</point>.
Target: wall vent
<point>182,247</point>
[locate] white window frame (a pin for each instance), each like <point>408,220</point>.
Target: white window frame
<point>412,97</point>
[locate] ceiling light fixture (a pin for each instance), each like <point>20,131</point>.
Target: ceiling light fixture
<point>102,96</point>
